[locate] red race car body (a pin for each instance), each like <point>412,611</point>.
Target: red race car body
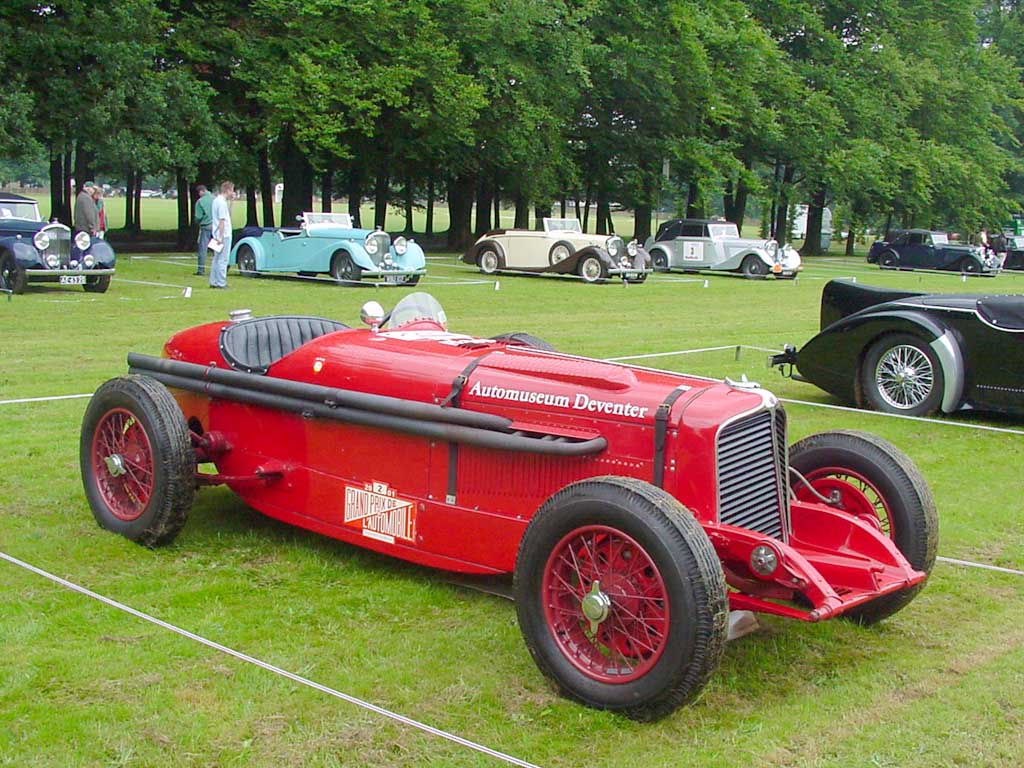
<point>442,448</point>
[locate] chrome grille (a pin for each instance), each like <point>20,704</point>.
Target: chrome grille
<point>752,465</point>
<point>60,244</point>
<point>383,247</point>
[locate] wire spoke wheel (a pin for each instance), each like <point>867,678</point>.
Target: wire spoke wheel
<point>122,464</point>
<point>853,493</point>
<point>904,377</point>
<point>605,603</point>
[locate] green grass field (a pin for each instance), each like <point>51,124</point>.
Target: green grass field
<point>83,685</point>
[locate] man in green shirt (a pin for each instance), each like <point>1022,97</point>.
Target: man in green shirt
<point>204,220</point>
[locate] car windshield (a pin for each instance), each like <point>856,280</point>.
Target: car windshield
<point>723,230</point>
<point>414,308</point>
<point>939,238</point>
<point>17,209</point>
<point>562,225</point>
<point>312,219</point>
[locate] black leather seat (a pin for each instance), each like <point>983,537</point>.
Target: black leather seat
<point>255,345</point>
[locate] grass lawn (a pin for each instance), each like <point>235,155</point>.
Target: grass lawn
<point>939,684</point>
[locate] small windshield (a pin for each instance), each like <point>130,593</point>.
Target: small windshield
<point>939,238</point>
<point>414,308</point>
<point>342,220</point>
<point>562,225</point>
<point>16,209</point>
<point>723,230</point>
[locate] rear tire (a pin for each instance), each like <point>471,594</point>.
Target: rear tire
<point>137,462</point>
<point>246,260</point>
<point>656,608</point>
<point>902,374</point>
<point>873,477</point>
<point>488,261</point>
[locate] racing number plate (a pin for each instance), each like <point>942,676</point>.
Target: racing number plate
<point>72,279</point>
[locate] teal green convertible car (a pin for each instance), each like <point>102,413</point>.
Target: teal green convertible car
<point>327,243</point>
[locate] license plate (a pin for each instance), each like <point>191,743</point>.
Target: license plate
<point>72,279</point>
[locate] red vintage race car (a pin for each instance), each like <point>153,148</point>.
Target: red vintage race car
<point>635,507</point>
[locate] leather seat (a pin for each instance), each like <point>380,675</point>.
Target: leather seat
<point>255,345</point>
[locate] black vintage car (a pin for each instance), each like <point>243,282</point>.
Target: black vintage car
<point>915,353</point>
<point>927,249</point>
<point>32,250</point>
<point>1013,246</point>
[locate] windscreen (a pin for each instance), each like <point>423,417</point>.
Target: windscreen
<point>562,225</point>
<point>342,220</point>
<point>13,209</point>
<point>414,308</point>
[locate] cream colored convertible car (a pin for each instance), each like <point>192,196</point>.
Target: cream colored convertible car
<point>562,248</point>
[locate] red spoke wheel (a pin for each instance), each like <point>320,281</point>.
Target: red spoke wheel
<point>873,480</point>
<point>620,597</point>
<point>138,465</point>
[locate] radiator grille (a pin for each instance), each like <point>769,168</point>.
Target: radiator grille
<point>60,244</point>
<point>752,461</point>
<point>383,240</point>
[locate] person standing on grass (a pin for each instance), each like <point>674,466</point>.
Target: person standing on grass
<point>204,220</point>
<point>220,212</point>
<point>86,216</point>
<point>101,214</point>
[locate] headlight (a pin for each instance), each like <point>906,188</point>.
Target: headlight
<point>83,241</point>
<point>41,241</point>
<point>401,246</point>
<point>88,261</point>
<point>371,245</point>
<point>772,247</point>
<point>632,247</point>
<point>612,246</point>
<point>53,261</point>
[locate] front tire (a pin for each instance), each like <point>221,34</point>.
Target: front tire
<point>137,462</point>
<point>592,269</point>
<point>659,261</point>
<point>97,284</point>
<point>753,268</point>
<point>343,269</point>
<point>12,277</point>
<point>970,266</point>
<point>876,482</point>
<point>620,597</point>
<point>889,260</point>
<point>902,374</point>
<point>246,260</point>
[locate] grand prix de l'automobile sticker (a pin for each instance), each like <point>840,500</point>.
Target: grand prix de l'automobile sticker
<point>379,514</point>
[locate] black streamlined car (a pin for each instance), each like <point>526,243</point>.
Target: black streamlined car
<point>915,353</point>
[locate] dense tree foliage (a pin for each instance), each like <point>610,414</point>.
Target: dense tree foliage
<point>889,112</point>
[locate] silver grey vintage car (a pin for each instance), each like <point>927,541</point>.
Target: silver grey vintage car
<point>695,244</point>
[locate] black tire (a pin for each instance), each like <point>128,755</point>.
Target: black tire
<point>12,277</point>
<point>753,268</point>
<point>412,280</point>
<point>889,260</point>
<point>659,261</point>
<point>880,386</point>
<point>343,269</point>
<point>524,340</point>
<point>592,269</point>
<point>145,408</point>
<point>246,261</point>
<point>97,284</point>
<point>970,266</point>
<point>912,522</point>
<point>679,557</point>
<point>640,278</point>
<point>488,260</point>
<point>560,251</point>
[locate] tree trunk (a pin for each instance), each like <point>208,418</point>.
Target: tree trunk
<point>603,213</point>
<point>484,198</point>
<point>430,203</point>
<point>83,171</point>
<point>266,186</point>
<point>642,222</point>
<point>460,212</point>
<point>66,192</point>
<point>576,200</point>
<point>586,207</point>
<point>381,196</point>
<point>408,203</point>
<point>694,206</point>
<point>540,213</point>
<point>185,234</point>
<point>129,200</point>
<point>252,214</point>
<point>497,206</point>
<point>783,222</point>
<point>888,225</point>
<point>355,194</point>
<point>562,211</point>
<point>851,237</point>
<point>327,191</point>
<point>298,181</point>
<point>735,201</point>
<point>56,185</point>
<point>522,220</point>
<point>138,201</point>
<point>815,209</point>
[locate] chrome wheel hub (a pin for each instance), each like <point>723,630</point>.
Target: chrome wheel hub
<point>904,377</point>
<point>115,465</point>
<point>596,606</point>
